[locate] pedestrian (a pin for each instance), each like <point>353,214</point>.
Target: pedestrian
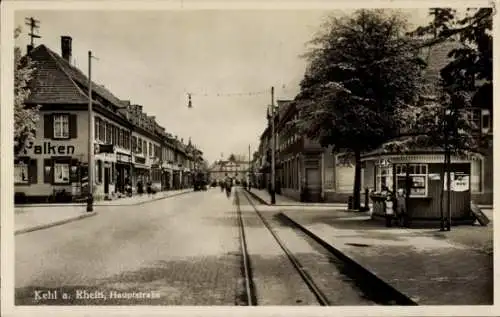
<point>229,184</point>
<point>401,208</point>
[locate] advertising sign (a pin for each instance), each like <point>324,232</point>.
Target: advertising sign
<point>445,180</point>
<point>460,182</point>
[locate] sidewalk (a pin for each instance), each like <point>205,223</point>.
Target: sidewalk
<point>134,200</point>
<point>263,196</point>
<point>428,266</point>
<point>28,218</point>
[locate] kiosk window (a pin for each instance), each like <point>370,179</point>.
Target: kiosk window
<point>417,175</point>
<point>384,177</point>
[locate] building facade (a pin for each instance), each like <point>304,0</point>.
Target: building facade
<point>130,147</point>
<point>234,168</point>
<point>305,171</point>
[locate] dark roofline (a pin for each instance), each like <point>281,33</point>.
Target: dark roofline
<point>96,88</point>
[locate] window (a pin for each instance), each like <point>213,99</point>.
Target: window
<point>21,173</point>
<point>145,148</point>
<point>417,174</point>
<point>485,121</point>
<point>102,130</point>
<point>109,133</point>
<point>97,124</point>
<point>481,120</point>
<point>150,149</point>
<point>120,137</point>
<point>61,126</point>
<point>61,173</point>
<point>384,177</point>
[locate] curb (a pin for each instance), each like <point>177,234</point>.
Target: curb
<point>145,202</point>
<point>53,224</point>
<point>97,205</point>
<point>401,297</point>
<point>262,201</point>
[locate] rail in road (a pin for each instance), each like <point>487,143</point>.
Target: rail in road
<point>374,291</point>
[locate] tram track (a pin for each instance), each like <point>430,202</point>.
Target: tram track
<point>373,289</point>
<point>249,288</point>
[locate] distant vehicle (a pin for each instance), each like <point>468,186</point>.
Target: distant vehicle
<point>214,183</point>
<point>200,180</point>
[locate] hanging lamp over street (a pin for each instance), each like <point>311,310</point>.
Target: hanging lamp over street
<point>190,104</point>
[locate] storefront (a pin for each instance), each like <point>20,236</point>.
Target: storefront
<point>122,171</point>
<point>420,175</point>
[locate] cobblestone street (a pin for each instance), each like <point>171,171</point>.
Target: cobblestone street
<point>177,249</point>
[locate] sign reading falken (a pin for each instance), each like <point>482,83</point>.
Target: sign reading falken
<point>48,148</point>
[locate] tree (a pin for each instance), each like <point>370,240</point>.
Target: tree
<point>361,70</point>
<point>444,122</point>
<point>25,117</point>
<point>471,66</point>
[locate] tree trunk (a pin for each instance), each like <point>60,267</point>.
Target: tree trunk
<point>357,181</point>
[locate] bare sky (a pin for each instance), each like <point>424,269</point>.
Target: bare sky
<point>156,58</point>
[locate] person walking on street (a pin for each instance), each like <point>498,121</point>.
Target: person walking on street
<point>229,185</point>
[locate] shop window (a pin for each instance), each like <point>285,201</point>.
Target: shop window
<point>61,173</point>
<point>61,126</point>
<point>417,174</point>
<point>21,173</point>
<point>47,171</point>
<point>384,178</point>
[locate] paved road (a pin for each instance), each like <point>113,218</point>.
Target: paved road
<point>179,251</point>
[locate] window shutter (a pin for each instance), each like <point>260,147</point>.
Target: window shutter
<point>48,126</point>
<point>32,172</point>
<point>72,126</point>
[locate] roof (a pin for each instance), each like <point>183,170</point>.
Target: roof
<point>437,58</point>
<point>55,80</point>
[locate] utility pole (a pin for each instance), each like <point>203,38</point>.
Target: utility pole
<point>249,164</point>
<point>273,149</point>
<point>33,24</point>
<point>90,198</point>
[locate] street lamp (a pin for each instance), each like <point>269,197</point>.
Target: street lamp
<point>90,199</point>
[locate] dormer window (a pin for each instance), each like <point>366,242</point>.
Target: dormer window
<point>481,120</point>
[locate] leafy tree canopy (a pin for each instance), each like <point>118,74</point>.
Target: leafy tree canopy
<point>361,69</point>
<point>25,118</point>
<point>472,63</point>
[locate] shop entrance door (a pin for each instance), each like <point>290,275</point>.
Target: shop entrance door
<point>106,180</point>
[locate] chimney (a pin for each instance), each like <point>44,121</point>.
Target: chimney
<point>66,48</point>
